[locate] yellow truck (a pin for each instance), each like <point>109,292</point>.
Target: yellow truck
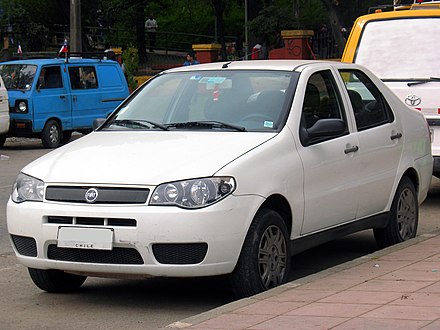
<point>400,44</point>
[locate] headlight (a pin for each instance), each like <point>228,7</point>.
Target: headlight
<point>21,106</point>
<point>27,188</point>
<point>193,193</point>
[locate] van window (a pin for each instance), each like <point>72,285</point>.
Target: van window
<point>50,77</point>
<point>369,106</point>
<point>386,48</point>
<point>83,77</point>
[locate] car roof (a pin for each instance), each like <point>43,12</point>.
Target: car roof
<point>48,61</point>
<point>277,65</point>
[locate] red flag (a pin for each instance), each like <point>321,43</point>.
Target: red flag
<point>19,51</point>
<point>64,47</point>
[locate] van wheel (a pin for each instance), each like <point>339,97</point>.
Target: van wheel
<point>51,135</point>
<point>56,281</point>
<point>2,140</point>
<point>264,260</point>
<point>404,216</point>
<point>66,136</point>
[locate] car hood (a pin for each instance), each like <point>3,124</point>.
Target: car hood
<point>140,158</point>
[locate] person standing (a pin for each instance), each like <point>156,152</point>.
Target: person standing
<point>151,28</point>
<point>190,59</point>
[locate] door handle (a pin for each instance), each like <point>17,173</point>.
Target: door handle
<point>396,136</point>
<point>351,149</point>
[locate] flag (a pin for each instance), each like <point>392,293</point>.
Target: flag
<point>19,51</point>
<point>64,47</point>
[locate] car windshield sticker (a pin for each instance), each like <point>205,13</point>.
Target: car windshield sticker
<point>196,77</point>
<point>268,124</point>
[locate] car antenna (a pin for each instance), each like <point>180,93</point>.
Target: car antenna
<point>225,65</point>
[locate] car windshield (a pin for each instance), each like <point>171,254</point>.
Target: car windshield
<point>401,49</point>
<point>18,76</point>
<point>208,100</point>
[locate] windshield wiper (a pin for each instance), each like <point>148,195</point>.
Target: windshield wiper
<point>207,124</point>
<point>138,123</point>
<point>424,81</point>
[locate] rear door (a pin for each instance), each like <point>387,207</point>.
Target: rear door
<point>380,136</point>
<point>50,98</point>
<point>97,89</point>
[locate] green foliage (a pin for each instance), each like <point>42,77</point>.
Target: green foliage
<point>130,58</point>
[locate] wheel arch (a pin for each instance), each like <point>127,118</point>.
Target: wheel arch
<point>411,173</point>
<point>280,204</point>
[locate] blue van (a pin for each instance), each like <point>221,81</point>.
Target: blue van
<point>51,98</point>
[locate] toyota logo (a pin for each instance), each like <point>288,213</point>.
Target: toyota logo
<point>412,100</point>
<point>91,195</point>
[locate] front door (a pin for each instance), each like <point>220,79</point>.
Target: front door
<point>51,98</point>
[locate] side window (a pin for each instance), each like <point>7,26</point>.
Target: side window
<point>321,101</point>
<point>369,106</point>
<point>83,77</point>
<point>50,77</point>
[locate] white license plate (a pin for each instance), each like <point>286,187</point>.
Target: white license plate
<point>85,238</point>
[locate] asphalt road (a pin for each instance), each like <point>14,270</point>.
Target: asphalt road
<point>141,304</point>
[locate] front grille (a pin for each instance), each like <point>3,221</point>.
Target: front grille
<point>117,256</point>
<point>26,246</point>
<point>105,195</point>
<point>180,253</point>
<point>87,221</point>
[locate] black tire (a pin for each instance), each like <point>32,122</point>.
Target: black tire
<point>51,135</point>
<point>404,216</point>
<point>56,281</point>
<point>264,260</point>
<point>66,136</point>
<point>2,140</point>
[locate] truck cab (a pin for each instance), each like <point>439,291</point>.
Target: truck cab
<point>399,43</point>
<point>51,98</point>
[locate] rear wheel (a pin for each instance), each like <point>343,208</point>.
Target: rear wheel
<point>264,260</point>
<point>404,216</point>
<point>56,281</point>
<point>51,135</point>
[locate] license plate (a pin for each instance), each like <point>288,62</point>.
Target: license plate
<point>85,238</point>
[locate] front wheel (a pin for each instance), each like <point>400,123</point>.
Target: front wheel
<point>51,135</point>
<point>56,281</point>
<point>264,260</point>
<point>404,216</point>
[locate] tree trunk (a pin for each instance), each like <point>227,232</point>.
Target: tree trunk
<point>335,25</point>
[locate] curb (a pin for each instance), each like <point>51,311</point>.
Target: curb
<point>199,318</point>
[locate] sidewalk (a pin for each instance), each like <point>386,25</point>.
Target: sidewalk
<point>394,288</point>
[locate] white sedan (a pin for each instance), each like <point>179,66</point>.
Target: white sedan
<point>224,168</point>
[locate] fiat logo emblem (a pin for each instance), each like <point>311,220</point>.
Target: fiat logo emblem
<point>412,100</point>
<point>91,195</point>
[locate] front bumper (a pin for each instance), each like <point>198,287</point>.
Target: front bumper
<point>152,244</point>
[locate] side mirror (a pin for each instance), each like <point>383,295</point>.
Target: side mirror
<point>97,123</point>
<point>323,129</point>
